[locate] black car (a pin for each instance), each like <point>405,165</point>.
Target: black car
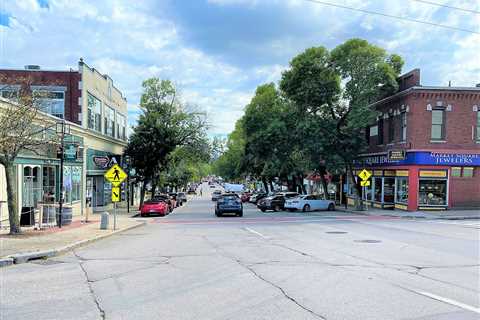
<point>275,202</point>
<point>254,198</point>
<point>229,203</point>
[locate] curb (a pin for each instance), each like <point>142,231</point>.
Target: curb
<point>365,213</point>
<point>5,262</point>
<point>44,254</point>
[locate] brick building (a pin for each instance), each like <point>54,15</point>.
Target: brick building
<point>424,149</point>
<point>62,87</point>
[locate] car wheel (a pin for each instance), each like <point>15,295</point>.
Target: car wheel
<point>263,210</point>
<point>277,208</point>
<point>331,207</point>
<point>240,214</point>
<point>306,208</point>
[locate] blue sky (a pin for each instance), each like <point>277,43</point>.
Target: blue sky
<point>218,51</point>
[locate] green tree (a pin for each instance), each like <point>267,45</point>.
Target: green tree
<point>333,95</point>
<point>164,125</point>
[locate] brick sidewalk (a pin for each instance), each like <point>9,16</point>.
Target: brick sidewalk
<point>55,238</point>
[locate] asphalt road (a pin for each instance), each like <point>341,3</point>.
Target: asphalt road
<point>193,265</point>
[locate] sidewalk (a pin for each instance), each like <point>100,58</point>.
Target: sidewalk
<point>446,215</point>
<point>53,241</point>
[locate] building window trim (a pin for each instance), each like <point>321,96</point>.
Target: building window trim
<point>403,126</point>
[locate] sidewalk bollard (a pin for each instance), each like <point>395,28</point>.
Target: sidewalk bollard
<point>104,221</point>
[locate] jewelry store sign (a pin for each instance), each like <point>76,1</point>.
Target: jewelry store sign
<point>422,158</point>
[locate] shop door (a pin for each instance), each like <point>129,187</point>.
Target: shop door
<point>97,193</point>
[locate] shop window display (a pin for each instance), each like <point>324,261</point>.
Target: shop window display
<point>378,189</point>
<point>433,192</point>
<point>389,190</point>
<point>402,190</point>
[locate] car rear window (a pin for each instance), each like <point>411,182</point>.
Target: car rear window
<point>230,197</point>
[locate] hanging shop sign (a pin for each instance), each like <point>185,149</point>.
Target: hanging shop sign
<point>70,152</point>
<point>396,155</point>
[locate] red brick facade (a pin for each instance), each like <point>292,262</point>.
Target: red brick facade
<point>69,79</point>
<point>458,108</point>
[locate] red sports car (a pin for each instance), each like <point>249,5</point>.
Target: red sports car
<point>159,207</point>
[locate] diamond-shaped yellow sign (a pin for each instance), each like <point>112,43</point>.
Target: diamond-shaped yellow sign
<point>365,174</point>
<point>115,175</point>
<point>116,194</point>
<point>365,183</point>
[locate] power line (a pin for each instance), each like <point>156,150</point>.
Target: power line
<point>393,16</point>
<point>447,6</point>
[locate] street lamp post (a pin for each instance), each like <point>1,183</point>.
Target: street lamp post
<point>62,128</point>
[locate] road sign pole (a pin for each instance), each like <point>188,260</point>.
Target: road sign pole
<point>114,216</point>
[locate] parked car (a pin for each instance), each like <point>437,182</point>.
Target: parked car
<point>288,194</point>
<point>155,206</point>
<point>182,198</point>
<point>275,203</point>
<point>216,194</point>
<point>229,203</point>
<point>309,203</point>
<point>245,197</point>
<point>254,198</point>
<point>167,199</point>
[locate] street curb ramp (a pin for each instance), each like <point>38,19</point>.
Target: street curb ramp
<point>19,258</point>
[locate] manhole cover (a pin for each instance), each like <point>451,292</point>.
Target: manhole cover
<point>336,232</point>
<point>368,241</point>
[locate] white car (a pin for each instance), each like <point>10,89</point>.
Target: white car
<point>309,203</point>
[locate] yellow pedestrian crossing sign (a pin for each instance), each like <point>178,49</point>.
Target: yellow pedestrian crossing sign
<point>365,175</point>
<point>365,183</point>
<point>115,175</point>
<point>116,194</point>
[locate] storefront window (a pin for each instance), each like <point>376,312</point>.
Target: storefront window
<point>72,177</point>
<point>31,192</point>
<point>377,189</point>
<point>389,190</point>
<point>107,192</point>
<point>368,195</point>
<point>49,184</point>
<point>402,190</point>
<point>433,192</point>
<point>467,172</point>
<point>456,172</point>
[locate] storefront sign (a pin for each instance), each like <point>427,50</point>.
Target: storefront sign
<point>433,173</point>
<point>389,173</point>
<point>396,155</point>
<point>423,158</point>
<point>70,152</point>
<point>101,161</point>
<point>402,173</point>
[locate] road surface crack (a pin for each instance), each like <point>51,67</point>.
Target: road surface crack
<point>89,284</point>
<point>285,294</point>
<point>258,276</point>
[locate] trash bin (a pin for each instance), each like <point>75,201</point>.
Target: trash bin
<point>104,221</point>
<point>66,215</point>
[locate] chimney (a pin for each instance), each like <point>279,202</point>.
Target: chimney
<point>32,67</point>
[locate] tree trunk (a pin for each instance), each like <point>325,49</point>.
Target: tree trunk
<point>12,201</point>
<point>324,184</point>
<point>302,185</point>
<point>357,189</point>
<point>265,185</point>
<point>142,192</point>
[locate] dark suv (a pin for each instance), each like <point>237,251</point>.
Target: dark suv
<point>275,202</point>
<point>229,202</point>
